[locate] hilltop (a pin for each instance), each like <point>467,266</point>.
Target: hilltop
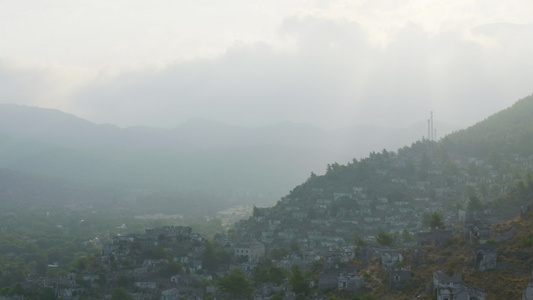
<point>508,131</point>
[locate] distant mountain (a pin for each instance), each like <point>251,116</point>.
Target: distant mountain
<point>54,127</point>
<point>57,128</point>
<point>30,191</point>
<point>256,165</point>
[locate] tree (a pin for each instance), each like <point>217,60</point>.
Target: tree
<point>366,297</point>
<point>298,281</point>
<point>424,166</point>
<point>384,238</point>
<point>125,281</point>
<point>426,220</point>
<point>214,256</point>
<point>276,274</point>
<point>278,253</point>
<point>407,236</point>
<point>120,294</point>
<point>436,221</point>
<point>257,212</point>
<point>295,247</point>
<point>236,284</point>
<point>260,274</point>
<point>474,204</point>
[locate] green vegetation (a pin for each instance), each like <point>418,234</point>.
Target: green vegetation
<point>235,284</point>
<point>407,236</point>
<point>508,131</point>
<point>33,240</point>
<point>267,273</point>
<point>214,256</point>
<point>120,293</point>
<point>384,238</point>
<point>436,221</point>
<point>299,282</point>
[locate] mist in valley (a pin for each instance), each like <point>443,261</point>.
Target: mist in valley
<point>146,146</point>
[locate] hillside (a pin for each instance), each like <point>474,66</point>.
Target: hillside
<point>396,193</point>
<point>507,281</point>
<point>508,131</point>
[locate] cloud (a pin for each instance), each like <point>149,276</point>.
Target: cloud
<point>252,84</point>
<point>39,84</point>
<point>330,72</point>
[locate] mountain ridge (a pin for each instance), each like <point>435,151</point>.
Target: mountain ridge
<point>193,156</point>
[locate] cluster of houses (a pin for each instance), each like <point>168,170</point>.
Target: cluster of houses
<point>452,287</point>
<point>322,225</point>
<point>163,263</point>
<point>131,258</point>
<point>323,220</point>
<point>328,217</point>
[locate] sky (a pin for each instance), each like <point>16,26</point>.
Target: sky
<point>333,64</point>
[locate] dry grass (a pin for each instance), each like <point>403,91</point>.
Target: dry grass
<point>457,257</point>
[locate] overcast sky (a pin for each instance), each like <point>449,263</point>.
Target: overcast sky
<point>252,63</point>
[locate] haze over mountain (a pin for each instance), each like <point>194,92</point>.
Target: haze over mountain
<point>243,164</point>
<point>335,63</point>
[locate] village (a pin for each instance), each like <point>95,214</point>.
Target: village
<point>169,263</point>
<point>332,232</point>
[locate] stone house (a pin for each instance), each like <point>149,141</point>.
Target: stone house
<point>170,294</point>
<point>152,263</point>
<point>351,283</point>
<point>442,280</point>
<point>390,257</point>
<point>268,289</point>
<point>483,234</point>
<point>329,279</point>
<point>451,287</point>
<point>398,277</point>
<point>91,277</point>
<point>337,196</point>
<point>527,294</point>
<point>253,251</point>
<point>315,235</point>
<point>146,285</point>
<point>459,292</point>
<point>438,236</point>
<point>140,271</point>
<point>418,256</point>
<point>504,237</point>
<point>485,257</point>
<point>182,279</point>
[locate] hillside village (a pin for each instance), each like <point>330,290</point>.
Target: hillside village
<point>444,220</point>
<point>391,192</point>
<point>175,263</point>
<point>329,229</point>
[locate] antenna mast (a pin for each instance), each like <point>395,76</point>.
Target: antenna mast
<point>429,130</point>
<point>432,135</point>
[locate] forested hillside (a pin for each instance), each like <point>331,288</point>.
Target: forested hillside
<point>472,181</point>
<point>508,131</point>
